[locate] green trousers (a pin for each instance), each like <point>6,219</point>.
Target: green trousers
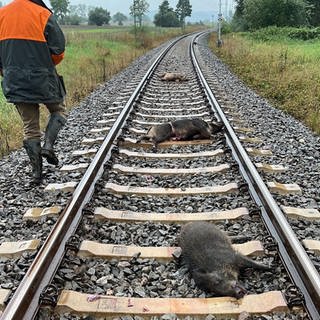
<point>30,115</point>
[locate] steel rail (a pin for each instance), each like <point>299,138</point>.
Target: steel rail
<point>24,304</point>
<point>298,264</point>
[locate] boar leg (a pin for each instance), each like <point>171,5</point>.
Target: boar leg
<point>143,138</point>
<point>244,262</point>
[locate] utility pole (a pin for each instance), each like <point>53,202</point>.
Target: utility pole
<point>219,42</point>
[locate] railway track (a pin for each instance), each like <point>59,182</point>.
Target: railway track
<point>110,252</point>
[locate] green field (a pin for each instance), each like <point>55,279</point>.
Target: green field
<point>93,55</point>
<point>285,71</point>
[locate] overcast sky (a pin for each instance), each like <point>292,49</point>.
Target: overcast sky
<point>123,5</point>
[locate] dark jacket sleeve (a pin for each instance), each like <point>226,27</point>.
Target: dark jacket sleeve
<point>55,40</point>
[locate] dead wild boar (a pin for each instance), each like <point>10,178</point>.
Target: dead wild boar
<point>213,263</point>
<point>182,129</point>
<point>173,76</point>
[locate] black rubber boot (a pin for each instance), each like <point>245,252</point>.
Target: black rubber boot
<point>55,123</point>
<point>33,148</point>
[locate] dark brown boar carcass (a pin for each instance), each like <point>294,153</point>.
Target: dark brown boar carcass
<point>173,76</point>
<point>182,129</point>
<point>213,263</point>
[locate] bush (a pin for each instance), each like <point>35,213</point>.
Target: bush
<point>304,33</point>
<point>276,33</point>
<point>99,16</point>
<point>226,27</point>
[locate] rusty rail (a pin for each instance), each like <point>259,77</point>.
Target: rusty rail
<point>299,266</point>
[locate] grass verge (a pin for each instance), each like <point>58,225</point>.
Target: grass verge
<point>285,71</point>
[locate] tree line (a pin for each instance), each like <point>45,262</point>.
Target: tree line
<point>255,14</point>
<point>78,14</point>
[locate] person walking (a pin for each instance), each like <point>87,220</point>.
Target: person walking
<point>31,45</point>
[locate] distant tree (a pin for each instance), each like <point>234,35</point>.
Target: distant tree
<point>60,9</point>
<point>238,23</point>
<point>120,18</point>
<point>239,7</point>
<point>99,16</point>
<point>77,14</point>
<point>183,10</point>
<point>280,13</point>
<point>166,16</point>
<point>138,10</point>
<point>1,5</point>
<point>314,12</point>
<point>80,10</point>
